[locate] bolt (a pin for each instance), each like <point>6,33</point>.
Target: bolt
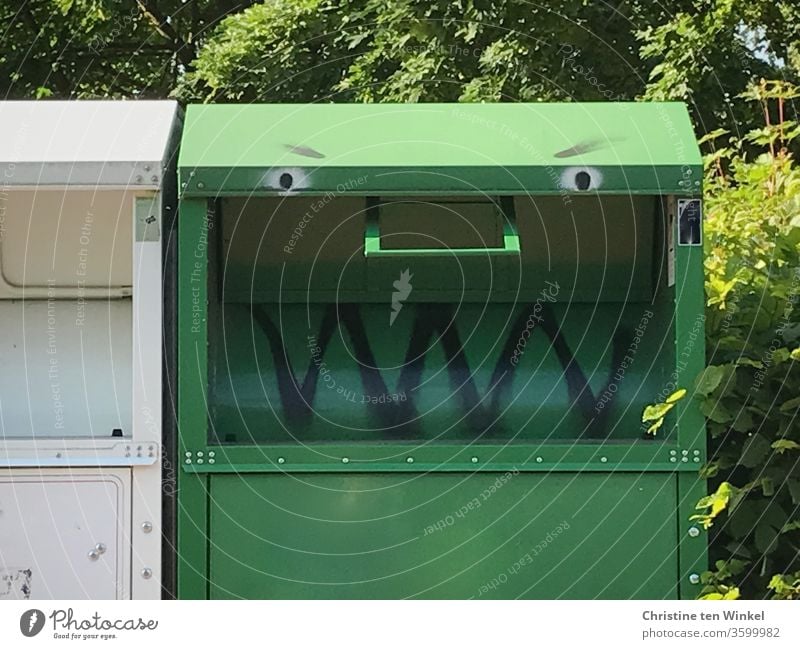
<point>538,459</point>
<point>282,460</point>
<point>410,460</point>
<point>146,573</point>
<point>694,578</point>
<point>474,460</point>
<point>684,452</point>
<point>93,555</point>
<point>694,532</point>
<point>147,527</point>
<point>199,453</point>
<point>147,167</point>
<point>604,459</point>
<point>201,185</point>
<point>188,454</point>
<point>697,452</point>
<point>188,461</point>
<point>211,454</point>
<point>345,460</point>
<point>672,452</point>
<point>672,459</point>
<point>211,460</point>
<point>100,548</point>
<point>154,178</point>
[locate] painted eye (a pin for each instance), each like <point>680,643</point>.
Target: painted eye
<point>286,181</point>
<point>581,179</point>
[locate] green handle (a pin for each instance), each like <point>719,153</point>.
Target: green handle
<point>372,242</point>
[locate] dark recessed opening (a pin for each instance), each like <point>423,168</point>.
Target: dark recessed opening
<point>582,180</point>
<point>286,180</point>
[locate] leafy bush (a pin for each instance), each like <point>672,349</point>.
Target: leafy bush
<point>750,390</point>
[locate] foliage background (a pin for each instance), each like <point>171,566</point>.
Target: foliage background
<point>750,391</point>
<point>709,53</point>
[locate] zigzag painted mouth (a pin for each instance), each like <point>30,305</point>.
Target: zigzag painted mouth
<point>481,414</point>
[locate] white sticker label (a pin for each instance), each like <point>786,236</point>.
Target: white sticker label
<point>690,222</point>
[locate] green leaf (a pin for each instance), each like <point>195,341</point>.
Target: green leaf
<point>716,503</point>
<point>712,135</point>
<point>709,379</point>
<point>709,470</point>
<point>766,538</point>
<point>791,404</point>
<point>733,593</point>
<point>716,411</point>
<point>780,355</point>
<point>743,360</point>
<point>657,411</point>
<point>737,549</point>
<point>785,586</point>
<point>726,594</point>
<point>783,445</point>
<point>793,485</point>
<point>743,422</point>
<point>755,450</point>
<point>676,396</point>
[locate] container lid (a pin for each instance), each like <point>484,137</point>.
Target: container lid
<point>85,143</point>
<point>426,148</point>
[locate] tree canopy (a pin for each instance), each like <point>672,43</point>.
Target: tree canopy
<point>705,52</point>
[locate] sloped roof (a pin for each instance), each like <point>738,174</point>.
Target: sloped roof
<point>638,147</point>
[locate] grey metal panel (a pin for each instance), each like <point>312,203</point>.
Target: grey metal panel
<point>88,143</point>
<point>65,534</point>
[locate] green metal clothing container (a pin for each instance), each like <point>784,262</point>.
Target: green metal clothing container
<point>415,344</point>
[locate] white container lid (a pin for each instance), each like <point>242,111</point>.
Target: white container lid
<point>85,143</point>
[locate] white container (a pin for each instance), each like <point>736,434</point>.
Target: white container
<point>81,208</point>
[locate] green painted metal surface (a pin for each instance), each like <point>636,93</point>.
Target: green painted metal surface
<point>480,535</point>
<point>628,148</point>
<point>481,347</point>
<point>548,456</point>
<point>440,372</point>
<point>292,487</point>
<point>192,386</point>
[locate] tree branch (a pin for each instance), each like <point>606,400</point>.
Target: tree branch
<point>183,50</point>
